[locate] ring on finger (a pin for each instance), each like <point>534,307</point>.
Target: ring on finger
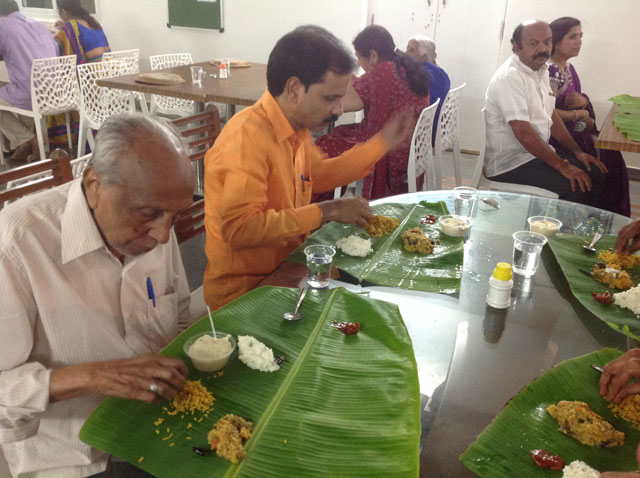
<point>153,388</point>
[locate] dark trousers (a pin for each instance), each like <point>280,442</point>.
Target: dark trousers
<point>538,173</point>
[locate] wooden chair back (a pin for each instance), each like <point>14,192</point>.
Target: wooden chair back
<point>46,174</point>
<point>200,132</point>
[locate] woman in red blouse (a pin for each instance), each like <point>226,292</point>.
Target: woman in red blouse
<point>392,82</point>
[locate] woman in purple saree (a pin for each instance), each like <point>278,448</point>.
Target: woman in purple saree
<point>576,110</point>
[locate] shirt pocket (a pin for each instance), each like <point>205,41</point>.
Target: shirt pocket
<point>162,320</point>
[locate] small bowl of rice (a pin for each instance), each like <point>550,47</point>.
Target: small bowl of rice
<point>207,353</point>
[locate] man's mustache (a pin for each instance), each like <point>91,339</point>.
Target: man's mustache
<point>330,119</point>
<point>541,55</point>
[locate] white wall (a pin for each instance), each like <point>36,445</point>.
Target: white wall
<point>251,27</point>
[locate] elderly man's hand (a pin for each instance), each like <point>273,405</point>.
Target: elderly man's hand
<point>576,176</point>
<point>627,233</point>
<point>614,384</point>
<point>149,378</point>
<point>349,211</point>
<point>398,130</point>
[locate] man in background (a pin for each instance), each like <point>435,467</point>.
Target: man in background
<point>520,117</point>
<point>21,41</point>
<point>423,50</point>
<point>264,166</point>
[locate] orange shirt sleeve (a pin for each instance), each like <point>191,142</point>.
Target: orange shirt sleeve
<point>353,164</point>
<point>245,184</point>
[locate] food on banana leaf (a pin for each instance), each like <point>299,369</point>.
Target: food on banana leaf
<point>628,409</point>
<point>416,241</point>
<point>355,245</point>
<point>228,436</point>
<point>612,275</point>
<point>380,225</point>
<point>428,219</point>
<point>578,421</point>
<point>579,469</point>
<point>347,328</point>
<point>191,397</point>
<point>256,355</point>
<point>602,297</point>
<point>629,299</point>
<point>544,459</point>
<point>622,262</point>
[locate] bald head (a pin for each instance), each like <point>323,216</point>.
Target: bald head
<point>532,42</point>
<point>137,181</point>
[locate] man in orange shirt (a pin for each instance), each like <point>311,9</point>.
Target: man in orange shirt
<point>261,171</point>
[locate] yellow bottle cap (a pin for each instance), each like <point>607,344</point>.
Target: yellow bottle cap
<point>503,271</point>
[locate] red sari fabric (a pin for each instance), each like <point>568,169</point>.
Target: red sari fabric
<point>384,90</point>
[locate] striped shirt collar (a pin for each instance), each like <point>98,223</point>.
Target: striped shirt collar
<point>79,231</point>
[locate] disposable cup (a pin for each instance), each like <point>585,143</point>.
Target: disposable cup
<point>527,247</point>
<point>319,258</point>
<point>465,201</point>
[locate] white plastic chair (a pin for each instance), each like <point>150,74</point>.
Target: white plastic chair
<point>480,181</point>
<point>131,61</point>
<point>166,104</point>
<point>448,131</point>
<point>97,103</point>
<point>421,158</point>
<point>54,90</point>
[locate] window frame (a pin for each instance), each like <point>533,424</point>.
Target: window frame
<point>50,14</point>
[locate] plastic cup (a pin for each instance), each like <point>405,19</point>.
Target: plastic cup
<point>527,247</point>
<point>196,74</point>
<point>207,362</point>
<point>319,260</point>
<point>545,225</point>
<point>465,201</point>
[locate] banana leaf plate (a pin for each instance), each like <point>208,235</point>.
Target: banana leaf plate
<point>502,449</point>
<point>389,264</point>
<point>572,259</point>
<point>340,405</point>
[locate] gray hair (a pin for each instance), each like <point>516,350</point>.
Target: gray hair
<point>426,46</point>
<point>118,134</point>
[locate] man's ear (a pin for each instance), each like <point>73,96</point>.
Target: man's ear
<point>294,88</point>
<point>91,182</point>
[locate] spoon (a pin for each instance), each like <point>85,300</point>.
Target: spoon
<point>491,202</point>
<point>597,367</point>
<point>295,315</point>
<point>596,237</point>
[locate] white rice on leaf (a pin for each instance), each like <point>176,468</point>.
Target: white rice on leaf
<point>355,245</point>
<point>629,299</point>
<point>579,469</point>
<point>256,355</point>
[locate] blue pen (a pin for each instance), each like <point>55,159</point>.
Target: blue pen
<point>150,293</point>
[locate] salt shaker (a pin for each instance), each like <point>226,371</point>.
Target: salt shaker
<point>500,285</point>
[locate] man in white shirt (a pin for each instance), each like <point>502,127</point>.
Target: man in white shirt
<point>520,117</point>
<point>92,288</point>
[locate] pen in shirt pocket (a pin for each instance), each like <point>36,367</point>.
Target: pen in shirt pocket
<point>150,293</point>
<point>304,179</point>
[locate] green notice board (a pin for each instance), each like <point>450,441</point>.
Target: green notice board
<point>196,14</point>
